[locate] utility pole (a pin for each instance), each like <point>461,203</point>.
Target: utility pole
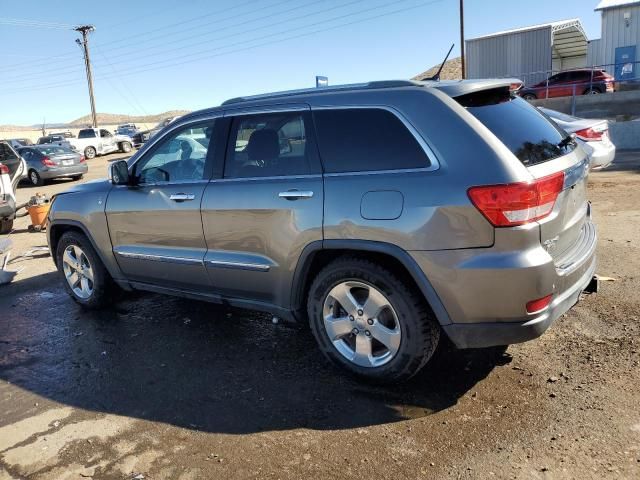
<point>84,43</point>
<point>462,38</point>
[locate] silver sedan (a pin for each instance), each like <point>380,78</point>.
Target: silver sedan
<point>45,162</point>
<point>591,134</point>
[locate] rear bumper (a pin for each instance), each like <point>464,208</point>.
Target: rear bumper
<point>491,334</point>
<point>485,291</point>
<point>601,154</point>
<point>64,171</point>
<point>7,207</point>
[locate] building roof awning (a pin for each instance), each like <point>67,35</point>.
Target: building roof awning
<point>604,4</point>
<point>568,39</point>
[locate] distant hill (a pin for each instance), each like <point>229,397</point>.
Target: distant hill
<point>452,70</point>
<point>115,118</point>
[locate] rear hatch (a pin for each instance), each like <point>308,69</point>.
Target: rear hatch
<point>546,151</point>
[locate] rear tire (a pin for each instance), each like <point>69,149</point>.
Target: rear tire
<point>592,91</point>
<point>6,225</point>
<point>529,96</point>
<point>35,178</point>
<point>125,147</point>
<point>83,274</point>
<point>405,321</point>
<point>77,177</point>
<point>89,153</point>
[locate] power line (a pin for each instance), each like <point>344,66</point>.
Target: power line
<point>163,53</point>
<point>174,63</point>
<point>19,22</point>
<point>128,38</point>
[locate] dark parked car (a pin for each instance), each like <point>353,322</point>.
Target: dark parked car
<point>58,139</point>
<point>387,215</point>
<point>562,84</point>
<point>45,162</point>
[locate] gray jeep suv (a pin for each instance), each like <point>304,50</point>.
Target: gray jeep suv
<point>385,214</point>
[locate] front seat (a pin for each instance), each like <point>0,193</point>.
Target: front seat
<point>263,150</point>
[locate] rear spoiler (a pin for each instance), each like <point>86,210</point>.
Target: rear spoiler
<point>457,88</point>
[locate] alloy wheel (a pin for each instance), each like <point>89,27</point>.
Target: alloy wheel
<point>361,323</point>
<point>78,271</point>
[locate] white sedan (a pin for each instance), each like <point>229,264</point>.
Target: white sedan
<point>592,134</point>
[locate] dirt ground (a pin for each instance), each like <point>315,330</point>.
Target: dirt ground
<point>167,388</point>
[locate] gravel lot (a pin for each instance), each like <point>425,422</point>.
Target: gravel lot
<point>170,388</point>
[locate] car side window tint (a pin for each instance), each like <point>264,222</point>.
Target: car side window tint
<point>179,157</point>
<point>267,145</point>
<point>366,139</point>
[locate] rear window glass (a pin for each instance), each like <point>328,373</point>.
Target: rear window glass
<point>366,139</point>
<point>54,150</point>
<point>522,128</point>
<point>86,134</point>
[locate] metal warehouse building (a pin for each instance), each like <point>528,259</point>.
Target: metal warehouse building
<point>620,38</point>
<point>528,53</point>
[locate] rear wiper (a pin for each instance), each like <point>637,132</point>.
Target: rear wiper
<point>567,140</point>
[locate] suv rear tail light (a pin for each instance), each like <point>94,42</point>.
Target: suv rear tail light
<point>517,203</point>
<point>535,306</point>
<point>47,162</point>
<point>515,86</point>
<point>589,134</point>
<point>4,169</point>
<point>82,159</point>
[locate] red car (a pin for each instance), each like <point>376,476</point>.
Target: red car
<point>562,84</point>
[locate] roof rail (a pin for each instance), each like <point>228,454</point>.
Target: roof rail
<point>335,88</point>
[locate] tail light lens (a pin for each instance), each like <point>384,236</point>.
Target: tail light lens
<point>82,159</point>
<point>535,306</point>
<point>517,203</point>
<point>589,134</point>
<point>4,169</point>
<point>47,162</point>
<point>515,86</point>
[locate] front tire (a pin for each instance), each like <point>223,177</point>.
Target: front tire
<point>35,178</point>
<point>125,147</point>
<point>592,91</point>
<point>369,322</point>
<point>84,276</point>
<point>529,96</point>
<point>89,153</point>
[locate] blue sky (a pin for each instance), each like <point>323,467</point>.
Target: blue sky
<point>153,56</point>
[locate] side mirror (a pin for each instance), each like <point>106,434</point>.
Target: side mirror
<point>119,172</point>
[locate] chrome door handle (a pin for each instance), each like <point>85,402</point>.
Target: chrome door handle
<point>182,197</point>
<point>295,194</point>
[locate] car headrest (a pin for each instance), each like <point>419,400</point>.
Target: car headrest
<point>263,145</point>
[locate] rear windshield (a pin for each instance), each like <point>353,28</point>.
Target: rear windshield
<point>54,150</point>
<point>86,133</point>
<point>522,128</point>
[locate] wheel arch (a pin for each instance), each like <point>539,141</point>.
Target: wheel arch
<point>59,227</point>
<point>317,254</point>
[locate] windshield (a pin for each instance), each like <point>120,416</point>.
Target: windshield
<point>524,130</point>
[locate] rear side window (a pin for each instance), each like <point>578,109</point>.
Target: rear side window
<point>86,134</point>
<point>522,128</point>
<point>268,145</point>
<point>366,139</point>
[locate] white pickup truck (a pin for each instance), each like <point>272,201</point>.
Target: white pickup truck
<point>98,141</point>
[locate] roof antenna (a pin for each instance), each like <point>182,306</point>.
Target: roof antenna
<point>436,77</point>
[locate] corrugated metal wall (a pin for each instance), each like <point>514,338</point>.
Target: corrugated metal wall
<point>519,54</point>
<point>615,32</point>
<point>594,52</point>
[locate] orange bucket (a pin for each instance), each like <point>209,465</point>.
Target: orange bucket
<point>38,213</point>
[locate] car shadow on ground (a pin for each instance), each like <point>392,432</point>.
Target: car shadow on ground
<point>204,367</point>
